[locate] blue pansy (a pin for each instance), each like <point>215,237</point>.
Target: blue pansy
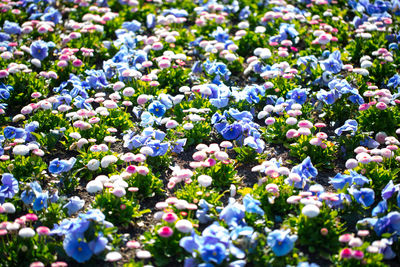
<point>364,196</point>
<point>232,131</point>
<point>380,208</point>
<point>233,213</point>
<point>74,204</point>
<point>9,186</point>
<point>11,27</point>
<point>349,125</point>
<point>389,190</point>
<point>333,63</point>
<point>76,248</point>
<point>157,108</point>
<point>98,244</point>
<point>41,201</point>
<point>281,242</point>
<point>252,205</point>
<point>39,49</point>
<point>132,26</point>
<point>11,132</point>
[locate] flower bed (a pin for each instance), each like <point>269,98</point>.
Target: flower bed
<point>199,133</point>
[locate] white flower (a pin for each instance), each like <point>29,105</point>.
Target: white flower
<point>107,160</point>
<point>143,254</point>
<point>204,180</point>
<point>21,150</point>
<point>26,232</point>
<point>93,164</point>
<point>94,186</point>
<point>310,210</point>
<point>184,226</point>
<point>113,256</point>
<point>9,207</point>
<point>188,126</point>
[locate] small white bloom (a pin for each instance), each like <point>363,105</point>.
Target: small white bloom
<point>26,232</point>
<point>184,226</point>
<point>113,256</point>
<point>310,210</point>
<point>107,160</point>
<point>204,180</point>
<point>94,186</point>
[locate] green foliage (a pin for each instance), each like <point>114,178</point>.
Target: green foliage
<point>120,211</point>
<point>310,234</point>
<point>149,185</point>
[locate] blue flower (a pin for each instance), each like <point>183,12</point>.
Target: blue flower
<point>281,242</point>
<point>157,108</point>
<point>40,201</point>
<point>96,79</point>
<point>132,26</point>
<point>380,208</point>
<point>328,97</point>
<point>57,166</point>
<point>76,248</point>
<point>74,204</point>
<point>394,81</point>
<point>98,244</point>
<point>306,169</point>
<point>179,144</point>
<point>231,132</point>
<point>215,253</point>
<point>52,14</point>
<point>11,27</point>
<point>11,132</point>
<point>389,190</point>
<point>349,125</point>
<point>298,95</point>
<point>39,50</point>
<point>358,179</point>
<point>220,35</point>
<point>9,187</point>
<point>333,63</point>
<point>202,213</point>
<point>244,13</point>
<point>251,205</point>
<point>364,196</point>
<point>93,214</point>
<point>151,21</point>
<point>239,115</point>
<point>233,214</point>
<point>159,149</point>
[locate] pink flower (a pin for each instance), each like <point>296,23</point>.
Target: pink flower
<point>43,230</point>
<point>292,133</point>
<point>269,120</point>
<point>346,253</point>
<point>143,170</point>
<point>381,106</point>
<point>169,217</point>
<point>142,99</point>
<point>345,238</point>
<point>165,231</point>
<point>199,156</point>
<point>131,169</point>
<point>358,254</point>
<point>77,63</point>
